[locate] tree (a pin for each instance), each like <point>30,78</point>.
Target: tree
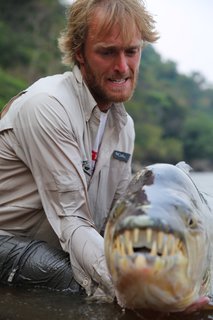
<point>198,137</point>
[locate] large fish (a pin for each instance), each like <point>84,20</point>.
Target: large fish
<point>159,242</point>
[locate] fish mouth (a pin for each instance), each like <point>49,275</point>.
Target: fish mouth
<point>149,266</point>
<point>149,247</point>
<point>149,240</point>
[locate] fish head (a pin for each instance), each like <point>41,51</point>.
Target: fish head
<point>156,241</point>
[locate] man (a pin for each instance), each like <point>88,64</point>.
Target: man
<point>66,142</point>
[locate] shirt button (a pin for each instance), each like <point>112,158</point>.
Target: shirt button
<point>85,282</point>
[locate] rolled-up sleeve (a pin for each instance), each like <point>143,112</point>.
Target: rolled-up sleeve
<point>44,133</point>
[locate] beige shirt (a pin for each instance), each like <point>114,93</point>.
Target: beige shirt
<point>46,140</point>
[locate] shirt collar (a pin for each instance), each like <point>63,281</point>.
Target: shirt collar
<point>89,103</point>
<point>87,100</point>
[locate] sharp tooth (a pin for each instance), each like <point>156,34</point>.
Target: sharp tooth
<point>173,246</point>
<point>128,242</point>
<point>178,244</point>
<point>127,235</point>
<point>135,235</point>
<point>181,248</point>
<point>160,240</point>
<point>148,235</point>
<point>117,244</point>
<point>170,242</point>
<point>165,250</point>
<point>129,248</point>
<point>122,248</point>
<point>154,249</point>
<point>124,264</point>
<point>140,261</point>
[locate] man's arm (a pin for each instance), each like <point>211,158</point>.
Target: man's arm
<point>44,132</point>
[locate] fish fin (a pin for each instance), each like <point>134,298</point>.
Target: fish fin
<point>184,166</point>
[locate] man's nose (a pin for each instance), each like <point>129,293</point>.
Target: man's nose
<point>121,63</point>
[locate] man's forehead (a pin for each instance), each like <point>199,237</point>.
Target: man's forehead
<point>102,27</point>
<point>114,37</point>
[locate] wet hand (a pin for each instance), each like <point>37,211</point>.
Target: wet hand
<point>105,290</point>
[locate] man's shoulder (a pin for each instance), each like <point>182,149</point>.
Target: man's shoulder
<point>60,86</point>
<point>50,83</point>
<point>54,83</point>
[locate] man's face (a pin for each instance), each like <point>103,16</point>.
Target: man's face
<point>109,65</point>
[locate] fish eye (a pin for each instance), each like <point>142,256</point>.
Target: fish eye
<point>191,223</point>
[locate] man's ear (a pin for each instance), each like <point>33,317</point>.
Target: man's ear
<point>79,57</point>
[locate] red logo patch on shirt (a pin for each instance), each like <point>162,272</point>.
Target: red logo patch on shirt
<point>94,155</point>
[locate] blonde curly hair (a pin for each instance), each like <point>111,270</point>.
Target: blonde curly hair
<point>122,12</point>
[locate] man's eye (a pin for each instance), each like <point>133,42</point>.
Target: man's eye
<point>107,52</point>
<point>131,52</point>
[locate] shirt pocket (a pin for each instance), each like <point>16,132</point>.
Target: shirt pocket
<point>67,193</point>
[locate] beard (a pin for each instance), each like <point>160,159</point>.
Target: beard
<point>104,95</point>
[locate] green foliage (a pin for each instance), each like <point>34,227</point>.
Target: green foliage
<point>150,146</point>
<point>173,112</point>
<point>28,43</point>
<point>9,87</point>
<point>29,32</point>
<point>198,137</point>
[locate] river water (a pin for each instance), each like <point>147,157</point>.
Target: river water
<point>204,182</point>
<point>41,304</point>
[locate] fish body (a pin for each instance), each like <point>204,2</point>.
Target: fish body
<point>158,241</point>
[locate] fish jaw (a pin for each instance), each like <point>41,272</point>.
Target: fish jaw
<point>143,289</point>
<point>150,280</point>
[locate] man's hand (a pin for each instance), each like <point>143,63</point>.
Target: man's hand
<point>105,290</point>
<point>89,265</point>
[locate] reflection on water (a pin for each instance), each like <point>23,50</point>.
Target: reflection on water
<point>41,304</point>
